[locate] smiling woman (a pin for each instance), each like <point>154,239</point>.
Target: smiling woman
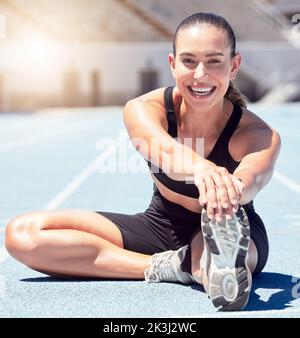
<point>201,225</point>
<point>204,104</point>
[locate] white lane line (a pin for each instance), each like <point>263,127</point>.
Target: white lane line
<point>38,137</point>
<point>292,185</point>
<point>78,180</point>
<point>72,187</point>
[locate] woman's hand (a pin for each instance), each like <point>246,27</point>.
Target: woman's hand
<point>219,191</point>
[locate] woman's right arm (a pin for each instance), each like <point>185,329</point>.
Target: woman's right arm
<point>146,122</point>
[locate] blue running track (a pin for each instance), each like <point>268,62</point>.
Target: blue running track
<point>54,159</point>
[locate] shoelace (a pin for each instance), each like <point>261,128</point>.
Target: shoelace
<point>159,274</point>
<point>162,269</point>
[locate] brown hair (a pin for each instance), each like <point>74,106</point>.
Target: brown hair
<point>232,94</point>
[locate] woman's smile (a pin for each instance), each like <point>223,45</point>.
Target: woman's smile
<point>201,93</point>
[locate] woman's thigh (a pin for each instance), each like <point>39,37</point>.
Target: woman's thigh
<point>75,219</point>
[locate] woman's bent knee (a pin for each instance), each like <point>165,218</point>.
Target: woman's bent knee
<point>21,235</point>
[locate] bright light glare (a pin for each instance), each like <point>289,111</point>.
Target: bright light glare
<point>37,53</point>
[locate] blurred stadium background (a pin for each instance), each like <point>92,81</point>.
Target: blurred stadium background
<point>78,53</point>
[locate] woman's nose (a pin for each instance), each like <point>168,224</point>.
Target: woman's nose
<point>200,72</point>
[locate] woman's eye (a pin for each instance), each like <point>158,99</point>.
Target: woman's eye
<point>214,61</point>
<point>189,61</point>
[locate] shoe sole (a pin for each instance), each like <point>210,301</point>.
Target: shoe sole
<point>229,277</point>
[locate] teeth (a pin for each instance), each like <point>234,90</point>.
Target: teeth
<point>202,91</point>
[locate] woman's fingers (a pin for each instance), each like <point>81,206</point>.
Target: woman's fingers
<point>212,202</point>
<point>207,194</point>
<point>232,189</point>
<point>202,191</point>
<point>220,192</point>
<point>240,186</point>
<point>229,213</point>
<point>228,193</point>
<point>219,212</point>
<point>225,212</point>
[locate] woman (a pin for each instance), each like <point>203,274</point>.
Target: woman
<point>167,241</point>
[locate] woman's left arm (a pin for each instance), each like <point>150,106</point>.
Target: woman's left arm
<point>257,166</point>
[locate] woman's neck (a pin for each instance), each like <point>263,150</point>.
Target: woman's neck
<point>205,123</point>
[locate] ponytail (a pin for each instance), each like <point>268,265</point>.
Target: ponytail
<point>235,96</point>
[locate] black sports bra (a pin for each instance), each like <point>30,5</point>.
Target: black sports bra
<point>219,155</point>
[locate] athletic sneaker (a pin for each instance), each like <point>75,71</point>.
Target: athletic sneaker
<point>166,267</point>
<point>224,260</point>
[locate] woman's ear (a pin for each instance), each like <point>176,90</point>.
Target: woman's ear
<point>235,66</point>
<point>171,59</point>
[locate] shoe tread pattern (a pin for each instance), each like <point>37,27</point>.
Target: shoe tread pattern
<point>231,239</point>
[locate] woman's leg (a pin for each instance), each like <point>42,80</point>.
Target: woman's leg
<point>72,243</point>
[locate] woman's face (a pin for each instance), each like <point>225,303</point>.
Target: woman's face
<point>203,65</point>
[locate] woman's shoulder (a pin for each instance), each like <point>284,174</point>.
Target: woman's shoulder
<point>155,97</point>
<point>253,133</point>
<point>146,108</point>
<point>251,125</point>
<point>251,121</point>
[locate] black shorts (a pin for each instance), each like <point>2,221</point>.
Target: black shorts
<point>168,226</point>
